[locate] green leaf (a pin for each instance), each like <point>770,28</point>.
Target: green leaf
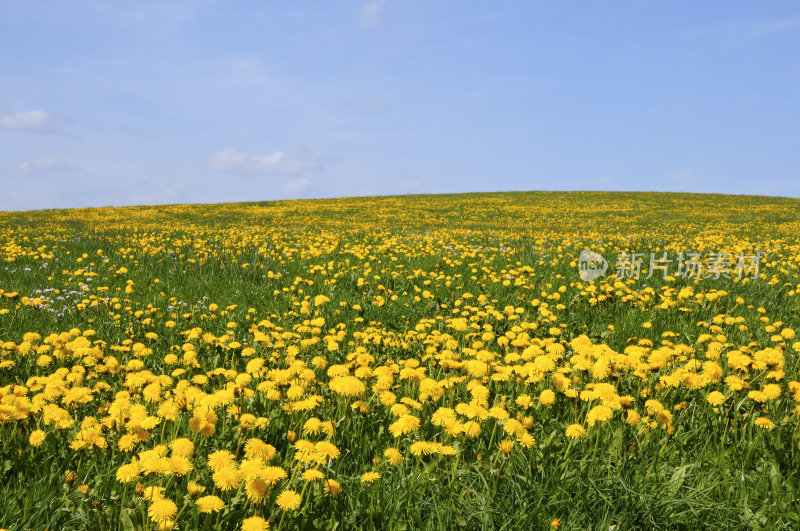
<point>676,481</point>
<point>125,522</point>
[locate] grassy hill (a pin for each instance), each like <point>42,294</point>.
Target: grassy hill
<point>402,362</point>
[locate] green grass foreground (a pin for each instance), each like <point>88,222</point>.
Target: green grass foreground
<point>417,362</point>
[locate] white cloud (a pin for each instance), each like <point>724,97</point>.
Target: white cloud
<point>46,164</point>
<point>37,121</point>
<point>296,186</point>
<point>232,161</point>
<point>370,15</point>
<point>411,186</point>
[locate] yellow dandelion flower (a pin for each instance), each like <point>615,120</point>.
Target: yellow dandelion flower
<point>471,429</point>
<point>327,449</point>
<point>443,416</point>
<point>313,474</point>
<point>393,455</point>
<point>421,447</point>
<point>312,426</point>
<point>128,472</point>
<point>153,493</point>
<point>447,450</point>
<point>764,423</point>
<point>209,504</point>
<point>405,424</point>
<point>288,500</point>
<point>347,386</point>
<point>153,464</point>
<point>36,438</point>
<point>126,442</point>
<point>255,523</point>
<point>454,428</point>
<point>575,431</point>
<point>513,427</point>
<point>220,459</point>
<point>715,398</point>
<point>526,440</point>
<point>227,478</point>
<point>162,509</point>
<point>387,398</point>
<point>166,525</point>
<point>194,488</point>
<point>257,448</point>
<point>524,401</point>
<point>772,391</point>
<point>757,396</point>
<point>182,447</point>
<point>256,490</point>
<point>369,477</point>
<point>332,487</point>
<point>273,474</point>
<point>653,407</point>
<point>598,414</point>
<point>664,418</point>
<point>180,465</point>
<point>547,397</point>
<point>505,446</point>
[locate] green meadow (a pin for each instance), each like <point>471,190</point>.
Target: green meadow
<point>404,362</point>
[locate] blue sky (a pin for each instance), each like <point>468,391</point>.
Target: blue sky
<point>123,103</point>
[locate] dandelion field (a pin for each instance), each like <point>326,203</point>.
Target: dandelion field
<point>399,362</point>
